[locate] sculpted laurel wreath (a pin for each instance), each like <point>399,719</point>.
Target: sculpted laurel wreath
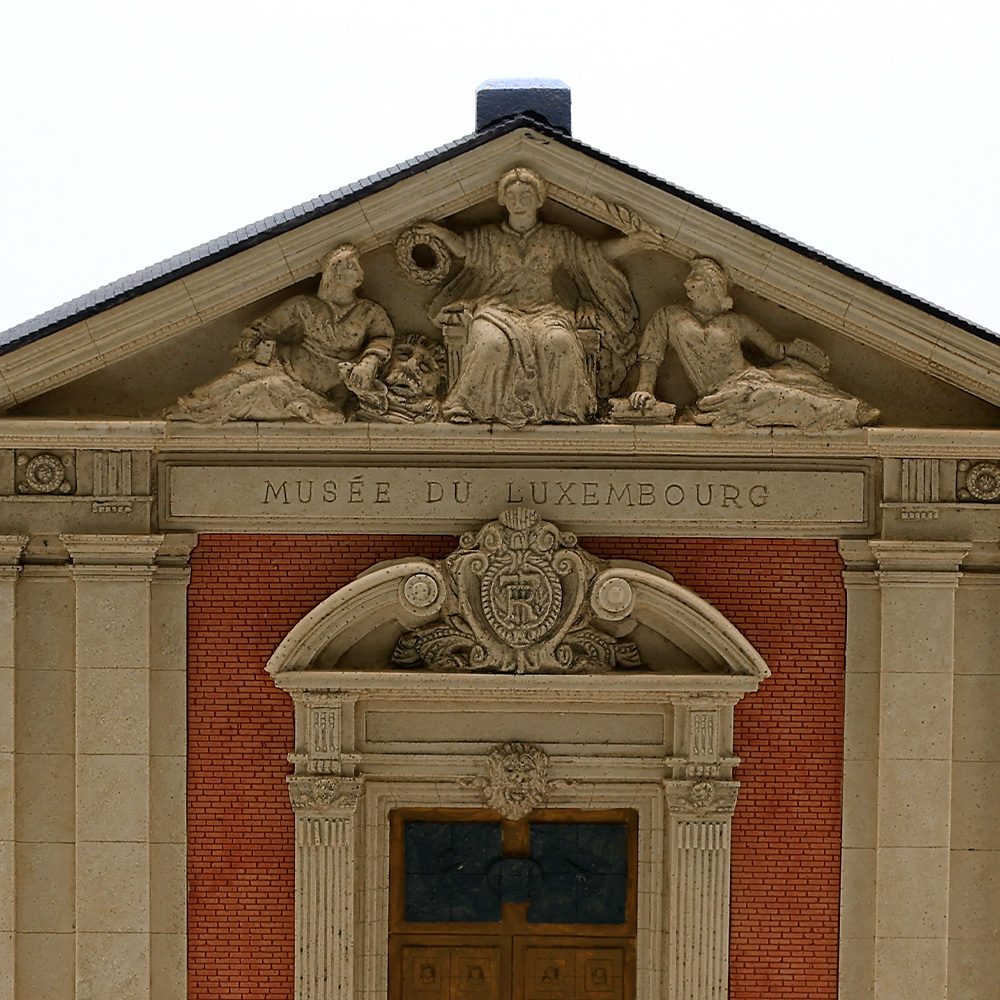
<point>622,217</point>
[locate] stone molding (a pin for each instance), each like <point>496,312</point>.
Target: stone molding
<point>11,552</point>
<point>390,792</point>
<point>11,549</point>
<point>118,551</point>
<point>918,558</point>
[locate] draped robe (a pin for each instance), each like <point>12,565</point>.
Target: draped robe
<point>523,361</point>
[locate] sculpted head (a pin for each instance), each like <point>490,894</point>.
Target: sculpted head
<point>517,777</point>
<point>520,190</point>
<point>342,267</point>
<point>417,367</point>
<point>707,286</point>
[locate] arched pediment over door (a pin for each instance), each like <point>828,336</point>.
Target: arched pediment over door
<point>518,596</point>
<point>520,658</point>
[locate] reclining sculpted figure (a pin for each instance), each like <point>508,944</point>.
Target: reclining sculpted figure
<point>290,360</point>
<point>708,338</point>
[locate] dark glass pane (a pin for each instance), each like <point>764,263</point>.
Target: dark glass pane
<point>602,900</point>
<point>427,844</point>
<point>446,872</point>
<point>584,873</point>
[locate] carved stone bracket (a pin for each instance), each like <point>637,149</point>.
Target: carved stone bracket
<point>325,796</point>
<point>702,743</point>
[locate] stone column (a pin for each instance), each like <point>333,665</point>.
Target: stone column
<point>918,581</point>
<point>45,776</point>
<point>113,576</point>
<point>701,798</point>
<point>168,768</point>
<point>974,908</point>
<point>11,547</point>
<point>325,847</point>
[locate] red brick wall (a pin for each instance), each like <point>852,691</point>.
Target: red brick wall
<point>787,597</point>
<point>247,591</point>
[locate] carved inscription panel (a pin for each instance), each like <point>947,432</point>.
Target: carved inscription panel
<point>438,498</point>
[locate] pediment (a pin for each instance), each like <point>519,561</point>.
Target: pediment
<point>134,359</point>
<point>522,597</point>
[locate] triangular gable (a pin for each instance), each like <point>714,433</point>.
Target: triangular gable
<point>194,290</point>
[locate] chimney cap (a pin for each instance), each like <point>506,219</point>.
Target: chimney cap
<point>547,99</point>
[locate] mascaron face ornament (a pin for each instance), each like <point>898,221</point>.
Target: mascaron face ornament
<point>517,779</point>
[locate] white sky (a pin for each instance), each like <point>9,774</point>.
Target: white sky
<point>132,131</point>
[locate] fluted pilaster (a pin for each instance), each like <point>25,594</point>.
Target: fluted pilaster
<point>698,831</point>
<point>325,845</point>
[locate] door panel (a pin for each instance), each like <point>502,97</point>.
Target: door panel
<point>582,973</point>
<point>488,909</point>
<point>462,972</point>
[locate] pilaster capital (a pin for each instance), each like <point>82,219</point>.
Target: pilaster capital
<point>175,549</point>
<point>708,800</point>
<point>859,559</point>
<point>102,556</point>
<point>11,550</point>
<point>326,796</point>
<point>705,700</point>
<point>919,563</point>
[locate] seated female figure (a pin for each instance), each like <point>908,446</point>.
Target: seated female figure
<point>548,321</point>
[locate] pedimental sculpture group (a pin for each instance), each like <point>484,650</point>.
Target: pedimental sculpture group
<point>538,325</point>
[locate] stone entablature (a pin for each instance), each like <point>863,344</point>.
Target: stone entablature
<point>140,478</point>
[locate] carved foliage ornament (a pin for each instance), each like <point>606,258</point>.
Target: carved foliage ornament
<point>522,598</point>
<point>324,795</point>
<point>702,798</point>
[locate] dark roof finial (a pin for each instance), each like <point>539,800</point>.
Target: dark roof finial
<point>546,99</point>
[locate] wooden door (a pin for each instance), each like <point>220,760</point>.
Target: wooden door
<point>483,908</point>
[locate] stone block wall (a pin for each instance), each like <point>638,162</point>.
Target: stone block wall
<point>246,593</point>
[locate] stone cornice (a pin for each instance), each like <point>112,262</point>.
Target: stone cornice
<point>11,549</point>
<point>112,552</point>
<point>621,688</point>
<point>569,444</point>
